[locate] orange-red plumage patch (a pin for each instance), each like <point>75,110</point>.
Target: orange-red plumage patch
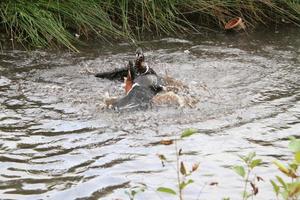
<point>128,82</point>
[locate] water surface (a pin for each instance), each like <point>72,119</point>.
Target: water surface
<point>57,141</point>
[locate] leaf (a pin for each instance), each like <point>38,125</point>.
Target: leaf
<point>254,188</point>
<point>294,145</point>
<point>251,155</point>
<point>281,181</point>
<point>255,163</point>
<point>285,170</point>
<point>184,184</point>
<point>297,157</point>
<point>293,167</point>
<point>133,193</point>
<point>239,170</point>
<point>259,178</point>
<point>292,174</point>
<point>135,190</point>
<point>195,166</point>
<point>166,190</point>
<point>281,167</point>
<point>285,195</point>
<point>188,132</point>
<point>294,189</point>
<point>161,157</point>
<point>276,188</point>
<point>248,157</point>
<point>291,137</point>
<point>182,169</point>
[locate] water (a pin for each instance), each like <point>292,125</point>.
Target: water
<point>57,141</point>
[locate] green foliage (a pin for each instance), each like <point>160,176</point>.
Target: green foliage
<point>166,190</point>
<point>294,145</point>
<point>49,22</point>
<point>183,184</point>
<point>276,188</point>
<point>289,190</point>
<point>133,191</point>
<point>188,132</point>
<point>41,23</point>
<point>244,171</point>
<point>182,171</point>
<point>240,170</point>
<point>255,163</point>
<point>294,189</point>
<point>297,157</point>
<point>288,171</point>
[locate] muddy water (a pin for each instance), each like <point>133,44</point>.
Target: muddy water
<point>57,141</point>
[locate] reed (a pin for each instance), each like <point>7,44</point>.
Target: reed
<point>43,23</point>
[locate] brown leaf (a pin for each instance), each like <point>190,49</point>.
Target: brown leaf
<point>161,157</point>
<point>182,169</point>
<point>254,188</point>
<point>259,178</point>
<point>166,142</point>
<point>195,166</point>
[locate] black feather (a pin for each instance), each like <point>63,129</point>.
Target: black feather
<point>117,74</point>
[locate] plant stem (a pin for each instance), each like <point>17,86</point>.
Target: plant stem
<point>178,170</point>
<point>246,183</point>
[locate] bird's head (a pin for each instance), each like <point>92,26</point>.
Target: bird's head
<point>140,59</point>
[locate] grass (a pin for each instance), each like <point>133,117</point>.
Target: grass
<point>43,23</point>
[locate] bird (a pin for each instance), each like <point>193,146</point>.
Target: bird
<point>139,73</point>
<point>139,67</point>
<point>141,83</point>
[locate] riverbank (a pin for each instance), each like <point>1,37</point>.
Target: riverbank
<point>71,23</point>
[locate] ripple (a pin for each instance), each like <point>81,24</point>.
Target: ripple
<point>4,81</point>
<point>15,159</point>
<point>56,140</point>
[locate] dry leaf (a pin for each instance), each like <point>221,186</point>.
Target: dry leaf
<point>195,166</point>
<point>166,142</point>
<point>182,169</point>
<point>254,188</point>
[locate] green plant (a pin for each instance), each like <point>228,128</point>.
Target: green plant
<point>245,171</point>
<point>181,170</point>
<point>131,192</point>
<point>42,23</point>
<point>289,190</point>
